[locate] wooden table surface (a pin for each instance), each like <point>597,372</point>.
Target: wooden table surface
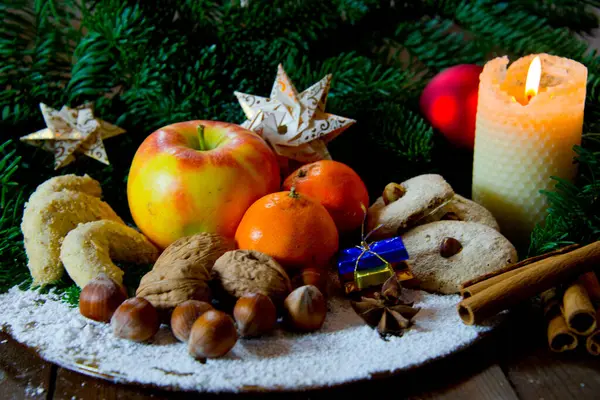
<point>512,363</point>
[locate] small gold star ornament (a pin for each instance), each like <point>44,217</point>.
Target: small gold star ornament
<point>73,131</point>
<point>294,124</point>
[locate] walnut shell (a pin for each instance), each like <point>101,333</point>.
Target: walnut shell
<point>183,270</point>
<point>241,272</point>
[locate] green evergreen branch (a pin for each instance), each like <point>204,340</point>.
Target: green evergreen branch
<point>574,208</point>
<point>148,64</point>
<point>34,65</point>
<point>12,255</point>
<point>499,25</point>
<point>575,15</point>
<point>403,132</point>
<point>435,45</point>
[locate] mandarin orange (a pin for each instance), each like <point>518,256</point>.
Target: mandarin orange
<point>292,228</point>
<point>337,187</point>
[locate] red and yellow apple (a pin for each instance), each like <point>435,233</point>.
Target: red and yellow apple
<point>198,176</point>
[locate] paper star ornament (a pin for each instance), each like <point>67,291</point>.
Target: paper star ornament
<point>72,131</point>
<point>294,124</point>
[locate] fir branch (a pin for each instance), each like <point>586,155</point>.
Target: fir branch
<point>354,10</point>
<point>437,45</point>
<point>13,268</point>
<point>498,25</point>
<point>574,208</point>
<point>575,15</point>
<point>280,18</point>
<point>550,237</point>
<point>358,83</point>
<point>147,64</point>
<point>164,91</point>
<point>70,295</point>
<point>91,76</point>
<point>33,58</point>
<point>407,135</point>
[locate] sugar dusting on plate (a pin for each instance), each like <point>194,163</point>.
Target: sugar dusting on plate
<point>344,350</point>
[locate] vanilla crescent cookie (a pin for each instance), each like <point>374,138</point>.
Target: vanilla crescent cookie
<point>84,184</point>
<point>440,264</point>
<point>89,249</point>
<point>463,209</point>
<point>54,209</point>
<point>422,195</point>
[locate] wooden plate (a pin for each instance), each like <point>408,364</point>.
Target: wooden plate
<point>343,351</point>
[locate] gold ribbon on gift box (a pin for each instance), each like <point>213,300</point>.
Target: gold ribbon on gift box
<point>373,276</point>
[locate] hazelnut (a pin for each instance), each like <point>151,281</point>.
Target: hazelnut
<point>184,316</point>
<point>450,247</point>
<point>392,192</point>
<point>255,314</point>
<point>135,319</point>
<point>312,276</point>
<point>212,335</point>
<point>100,298</point>
<point>305,309</point>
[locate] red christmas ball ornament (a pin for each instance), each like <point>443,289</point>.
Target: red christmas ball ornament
<point>449,102</point>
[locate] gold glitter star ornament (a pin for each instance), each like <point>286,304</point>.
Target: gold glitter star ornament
<point>73,131</point>
<point>294,124</point>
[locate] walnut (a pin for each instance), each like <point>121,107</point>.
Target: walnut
<point>183,270</point>
<point>242,272</point>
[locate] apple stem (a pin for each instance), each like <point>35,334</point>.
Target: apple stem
<point>201,139</point>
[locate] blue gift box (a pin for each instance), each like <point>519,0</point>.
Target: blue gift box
<point>392,250</point>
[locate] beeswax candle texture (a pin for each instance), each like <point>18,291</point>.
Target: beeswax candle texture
<point>520,145</point>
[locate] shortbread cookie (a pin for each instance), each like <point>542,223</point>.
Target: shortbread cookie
<point>90,249</point>
<point>82,184</point>
<point>481,250</point>
<point>54,209</point>
<point>463,209</point>
<point>422,195</point>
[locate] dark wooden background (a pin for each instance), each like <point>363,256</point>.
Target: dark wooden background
<point>511,363</point>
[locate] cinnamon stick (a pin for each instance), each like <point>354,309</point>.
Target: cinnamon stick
<point>589,280</point>
<point>519,265</point>
<point>484,284</point>
<point>540,276</point>
<point>578,310</point>
<point>560,338</point>
<point>592,343</point>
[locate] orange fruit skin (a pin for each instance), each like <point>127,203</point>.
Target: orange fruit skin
<point>337,187</point>
<point>296,231</point>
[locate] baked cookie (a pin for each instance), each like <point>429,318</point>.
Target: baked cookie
<point>463,209</point>
<point>441,265</point>
<point>89,249</point>
<point>53,210</point>
<point>420,196</point>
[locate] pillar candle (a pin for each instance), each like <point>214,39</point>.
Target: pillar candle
<point>523,139</point>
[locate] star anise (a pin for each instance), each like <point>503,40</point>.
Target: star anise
<point>390,291</point>
<point>385,311</point>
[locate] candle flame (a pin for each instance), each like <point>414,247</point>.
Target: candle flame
<point>533,78</point>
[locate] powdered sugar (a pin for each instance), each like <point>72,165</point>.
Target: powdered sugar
<point>345,349</point>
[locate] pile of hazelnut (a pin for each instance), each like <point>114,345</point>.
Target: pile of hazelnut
<point>208,332</point>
